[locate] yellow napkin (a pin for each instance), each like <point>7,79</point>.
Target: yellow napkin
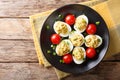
<point>105,9</point>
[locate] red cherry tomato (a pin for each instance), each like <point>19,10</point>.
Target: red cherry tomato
<point>90,53</point>
<point>67,58</point>
<point>70,19</point>
<point>91,29</point>
<point>55,38</point>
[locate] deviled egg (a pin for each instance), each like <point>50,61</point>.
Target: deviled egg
<point>93,41</point>
<point>62,28</point>
<point>64,47</point>
<point>81,23</point>
<point>76,38</point>
<point>79,55</point>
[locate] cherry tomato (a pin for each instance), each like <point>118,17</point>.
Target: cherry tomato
<point>67,58</point>
<point>70,19</point>
<point>55,38</point>
<point>91,29</point>
<point>90,53</point>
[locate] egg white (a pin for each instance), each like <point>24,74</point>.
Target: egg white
<point>88,36</point>
<point>70,46</point>
<point>100,40</point>
<point>75,32</point>
<point>86,19</point>
<point>81,60</point>
<point>68,27</point>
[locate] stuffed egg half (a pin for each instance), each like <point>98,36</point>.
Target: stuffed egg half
<point>64,47</point>
<point>93,41</point>
<point>76,38</point>
<point>81,23</point>
<point>62,28</point>
<point>79,55</point>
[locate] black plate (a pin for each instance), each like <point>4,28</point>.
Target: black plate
<point>77,10</point>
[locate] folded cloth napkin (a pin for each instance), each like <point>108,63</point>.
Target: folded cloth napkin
<point>109,10</point>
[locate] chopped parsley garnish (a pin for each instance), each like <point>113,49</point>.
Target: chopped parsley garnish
<point>84,40</point>
<point>61,61</point>
<point>67,43</point>
<point>53,47</point>
<point>60,17</point>
<point>73,31</point>
<point>48,51</point>
<point>97,23</point>
<point>54,53</point>
<point>48,27</point>
<point>98,40</point>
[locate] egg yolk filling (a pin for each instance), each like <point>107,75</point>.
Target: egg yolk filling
<point>78,53</point>
<point>61,28</point>
<point>77,40</point>
<point>92,41</point>
<point>63,48</point>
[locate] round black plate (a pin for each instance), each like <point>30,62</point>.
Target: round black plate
<point>77,10</point>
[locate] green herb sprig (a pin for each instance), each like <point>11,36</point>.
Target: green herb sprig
<point>47,27</point>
